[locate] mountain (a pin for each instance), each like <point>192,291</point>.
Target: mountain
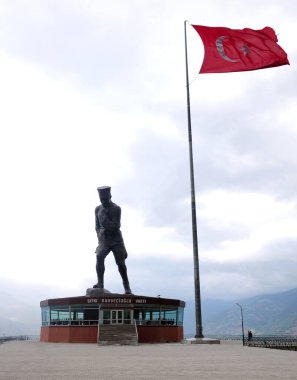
<point>210,309</point>
<point>18,317</point>
<point>273,314</point>
<point>270,314</point>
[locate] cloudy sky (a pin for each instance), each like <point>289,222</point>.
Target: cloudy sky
<point>93,93</point>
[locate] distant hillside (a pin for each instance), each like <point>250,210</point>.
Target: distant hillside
<point>265,314</point>
<point>18,317</point>
<point>210,309</point>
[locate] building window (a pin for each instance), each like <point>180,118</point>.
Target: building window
<point>154,315</point>
<point>158,315</point>
<point>59,315</point>
<point>45,316</point>
<point>70,315</point>
<point>180,316</point>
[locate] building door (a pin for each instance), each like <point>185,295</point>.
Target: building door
<point>117,317</point>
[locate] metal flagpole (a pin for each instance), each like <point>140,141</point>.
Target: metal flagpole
<point>193,206</point>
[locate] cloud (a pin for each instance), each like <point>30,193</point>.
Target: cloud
<point>93,94</point>
<point>258,217</point>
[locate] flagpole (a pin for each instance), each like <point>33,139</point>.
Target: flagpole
<point>199,333</point>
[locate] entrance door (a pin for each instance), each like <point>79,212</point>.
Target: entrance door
<point>117,317</point>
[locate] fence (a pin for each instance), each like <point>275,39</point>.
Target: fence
<point>281,342</point>
<point>278,342</point>
<point>18,337</point>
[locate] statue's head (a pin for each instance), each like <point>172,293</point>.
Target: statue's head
<point>104,195</point>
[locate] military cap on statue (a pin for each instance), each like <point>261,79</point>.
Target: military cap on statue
<point>104,190</point>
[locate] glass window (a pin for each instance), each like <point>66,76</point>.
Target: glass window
<point>180,316</point>
<point>76,315</point>
<point>106,317</point>
<point>59,315</point>
<point>127,316</point>
<point>70,314</point>
<point>45,316</point>
<point>169,317</point>
<point>89,315</point>
<point>158,315</point>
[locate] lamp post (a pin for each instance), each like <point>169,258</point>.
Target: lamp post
<point>242,329</point>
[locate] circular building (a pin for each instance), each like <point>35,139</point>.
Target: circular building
<point>112,319</point>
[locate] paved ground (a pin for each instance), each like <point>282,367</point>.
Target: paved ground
<point>59,361</point>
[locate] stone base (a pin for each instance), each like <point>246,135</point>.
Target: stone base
<point>96,292</point>
<point>203,341</point>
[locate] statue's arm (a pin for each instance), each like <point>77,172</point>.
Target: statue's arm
<point>97,222</point>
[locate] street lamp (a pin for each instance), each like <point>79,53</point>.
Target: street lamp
<point>242,329</point>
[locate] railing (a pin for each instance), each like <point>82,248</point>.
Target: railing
<point>220,337</point>
<point>87,322</point>
<point>18,337</point>
<point>135,326</point>
<point>84,322</point>
<point>281,342</point>
<point>278,342</point>
<point>155,322</point>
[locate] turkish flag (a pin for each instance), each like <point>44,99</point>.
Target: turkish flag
<point>228,50</point>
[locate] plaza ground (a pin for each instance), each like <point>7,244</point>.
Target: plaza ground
<point>31,360</point>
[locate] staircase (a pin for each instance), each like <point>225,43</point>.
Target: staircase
<point>118,335</point>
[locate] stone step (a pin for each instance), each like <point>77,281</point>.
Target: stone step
<point>118,334</point>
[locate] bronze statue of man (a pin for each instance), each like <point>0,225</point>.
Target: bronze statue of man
<point>107,225</point>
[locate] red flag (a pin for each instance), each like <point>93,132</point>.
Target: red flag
<point>228,50</point>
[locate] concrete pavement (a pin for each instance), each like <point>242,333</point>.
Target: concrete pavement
<point>229,360</point>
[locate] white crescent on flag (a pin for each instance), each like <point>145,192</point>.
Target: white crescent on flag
<point>220,49</point>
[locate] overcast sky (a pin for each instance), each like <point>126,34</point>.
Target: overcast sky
<point>93,93</point>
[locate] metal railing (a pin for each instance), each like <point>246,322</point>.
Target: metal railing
<point>86,322</point>
<point>284,342</point>
<point>155,322</point>
<point>18,337</point>
<point>281,342</point>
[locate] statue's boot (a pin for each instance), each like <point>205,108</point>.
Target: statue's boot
<point>127,289</point>
<point>99,284</point>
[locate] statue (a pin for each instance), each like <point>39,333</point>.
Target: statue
<point>107,225</point>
